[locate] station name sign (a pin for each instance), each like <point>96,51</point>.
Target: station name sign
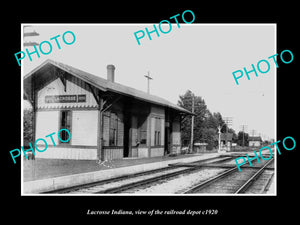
<point>64,98</point>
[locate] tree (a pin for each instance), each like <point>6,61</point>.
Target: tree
<point>28,128</point>
<point>201,111</point>
<point>208,135</point>
<point>205,123</point>
<point>220,122</point>
<point>240,138</point>
<point>234,136</point>
<point>210,130</point>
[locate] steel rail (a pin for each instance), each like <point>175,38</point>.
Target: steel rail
<point>146,181</point>
<point>220,176</point>
<point>153,179</point>
<point>111,180</point>
<point>209,181</point>
<point>248,183</point>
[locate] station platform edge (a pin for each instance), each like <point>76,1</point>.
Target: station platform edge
<point>47,175</point>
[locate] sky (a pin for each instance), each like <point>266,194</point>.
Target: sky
<point>196,57</point>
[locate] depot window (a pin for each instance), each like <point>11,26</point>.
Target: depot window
<point>142,129</point>
<point>113,129</point>
<point>65,123</point>
<point>157,131</point>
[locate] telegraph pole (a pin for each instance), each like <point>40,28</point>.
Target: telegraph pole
<point>192,125</point>
<point>148,82</point>
<point>228,122</point>
<point>219,128</point>
<point>243,128</point>
<point>253,132</point>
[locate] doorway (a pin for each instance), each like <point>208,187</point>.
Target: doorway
<point>167,140</point>
<point>127,135</point>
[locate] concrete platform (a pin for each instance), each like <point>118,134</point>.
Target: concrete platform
<point>73,172</point>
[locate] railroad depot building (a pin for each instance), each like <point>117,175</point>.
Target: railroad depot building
<point>106,120</point>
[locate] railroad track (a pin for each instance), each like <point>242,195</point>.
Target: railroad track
<point>231,181</point>
<point>141,180</point>
<point>119,184</point>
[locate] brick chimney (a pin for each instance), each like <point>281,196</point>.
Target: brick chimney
<point>111,73</point>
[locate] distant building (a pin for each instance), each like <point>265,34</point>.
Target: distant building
<point>255,141</point>
<point>200,147</point>
<point>225,138</point>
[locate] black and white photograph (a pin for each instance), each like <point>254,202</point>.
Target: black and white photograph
<point>136,113</point>
<point>110,115</point>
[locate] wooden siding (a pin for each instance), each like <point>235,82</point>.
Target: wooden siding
<point>120,136</point>
<point>120,129</point>
<point>68,153</point>
<point>162,138</point>
<point>84,128</point>
<point>74,86</point>
<point>142,153</point>
<point>157,112</point>
<point>105,129</point>
<point>154,152</point>
<point>134,152</point>
<point>47,123</point>
<point>176,134</point>
<point>113,153</point>
<point>134,130</point>
<point>152,130</point>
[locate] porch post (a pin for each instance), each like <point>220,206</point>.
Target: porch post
<point>149,134</point>
<point>100,151</point>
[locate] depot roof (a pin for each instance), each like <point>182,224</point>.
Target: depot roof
<point>106,85</point>
<point>254,138</point>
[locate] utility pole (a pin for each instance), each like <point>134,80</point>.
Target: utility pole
<point>192,125</point>
<point>228,122</point>
<point>253,132</point>
<point>243,128</point>
<point>219,128</point>
<point>148,82</point>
